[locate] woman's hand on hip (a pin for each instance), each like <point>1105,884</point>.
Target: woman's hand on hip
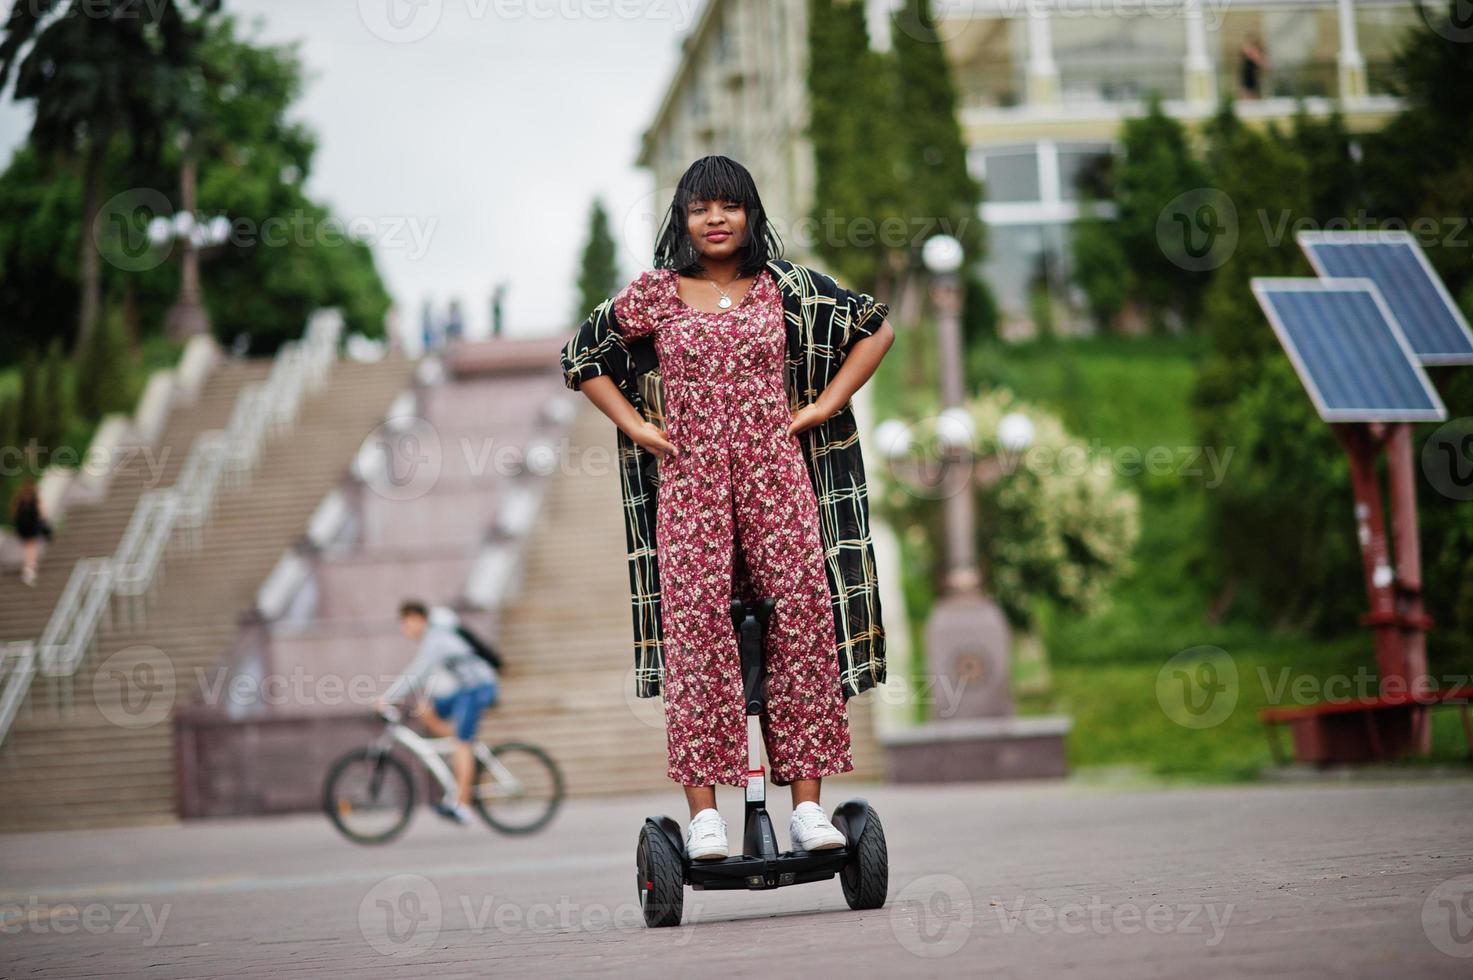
<point>652,437</point>
<point>807,417</point>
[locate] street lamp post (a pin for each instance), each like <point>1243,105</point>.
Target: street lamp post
<point>967,637</point>
<point>973,733</point>
<point>188,316</point>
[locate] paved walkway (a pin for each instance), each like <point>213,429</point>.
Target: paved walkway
<point>999,881</point>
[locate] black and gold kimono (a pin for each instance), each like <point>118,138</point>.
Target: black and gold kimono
<point>824,320</point>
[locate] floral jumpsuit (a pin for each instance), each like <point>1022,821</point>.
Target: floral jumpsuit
<point>737,515</point>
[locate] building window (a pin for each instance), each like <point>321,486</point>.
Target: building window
<point>1011,173</point>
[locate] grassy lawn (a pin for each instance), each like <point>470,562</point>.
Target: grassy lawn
<point>1102,670</point>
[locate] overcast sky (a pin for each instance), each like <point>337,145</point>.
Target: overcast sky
<point>470,136</point>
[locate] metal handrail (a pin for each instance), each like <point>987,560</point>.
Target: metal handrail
<point>299,367</point>
<point>141,552</point>
<point>198,481</point>
<point>66,641</point>
<point>17,669</point>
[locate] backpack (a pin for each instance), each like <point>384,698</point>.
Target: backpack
<point>480,646</point>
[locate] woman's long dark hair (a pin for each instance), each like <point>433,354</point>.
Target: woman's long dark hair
<point>716,178</point>
<point>26,497</point>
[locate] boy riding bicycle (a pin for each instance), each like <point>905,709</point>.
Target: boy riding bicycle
<point>445,648</point>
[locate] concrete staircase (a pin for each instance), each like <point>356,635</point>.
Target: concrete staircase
<point>104,755</point>
<point>569,686</point>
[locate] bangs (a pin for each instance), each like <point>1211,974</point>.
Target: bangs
<point>715,179</point>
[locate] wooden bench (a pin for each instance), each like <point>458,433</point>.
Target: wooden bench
<point>1362,729</point>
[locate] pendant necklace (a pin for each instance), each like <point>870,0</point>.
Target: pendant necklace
<point>725,301</point>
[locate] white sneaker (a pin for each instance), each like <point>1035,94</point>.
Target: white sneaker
<point>706,837</point>
<point>810,830</point>
<point>28,576</point>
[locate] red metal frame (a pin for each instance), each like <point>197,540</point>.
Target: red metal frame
<point>1397,614</point>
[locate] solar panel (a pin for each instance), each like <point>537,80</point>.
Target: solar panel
<point>1393,260</point>
<point>1348,350</point>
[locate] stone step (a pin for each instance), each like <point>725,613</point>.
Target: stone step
<point>74,767</point>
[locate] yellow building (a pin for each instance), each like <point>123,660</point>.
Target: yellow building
<point>1043,86</point>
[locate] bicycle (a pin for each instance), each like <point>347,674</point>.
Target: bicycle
<point>369,793</point>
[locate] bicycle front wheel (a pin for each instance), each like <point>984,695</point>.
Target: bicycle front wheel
<point>521,790</point>
<point>369,796</point>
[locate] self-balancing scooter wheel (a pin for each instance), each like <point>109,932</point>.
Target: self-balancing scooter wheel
<point>865,878</point>
<point>661,873</point>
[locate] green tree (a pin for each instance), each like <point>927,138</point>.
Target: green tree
<point>1334,174</point>
<point>288,255</point>
<point>9,421</point>
<point>851,110</point>
<point>39,241</point>
<point>1278,526</point>
<point>32,410</point>
<point>1420,165</point>
<point>97,71</point>
<point>1418,174</point>
<point>598,273</point>
<point>1156,167</point>
<point>939,194</point>
<point>104,374</point>
<point>45,402</point>
<point>1101,268</point>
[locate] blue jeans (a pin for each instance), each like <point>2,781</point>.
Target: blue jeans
<point>464,707</point>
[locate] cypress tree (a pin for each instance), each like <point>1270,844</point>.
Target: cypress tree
<point>103,375</point>
<point>852,116</point>
<point>56,378</point>
<point>938,189</point>
<point>598,274</point>
<point>32,409</point>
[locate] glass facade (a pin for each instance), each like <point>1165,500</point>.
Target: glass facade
<point>1104,57</point>
<point>1033,194</point>
<point>1040,136</point>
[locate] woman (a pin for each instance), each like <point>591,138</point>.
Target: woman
<point>759,478</point>
<point>1251,64</point>
<point>30,527</point>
